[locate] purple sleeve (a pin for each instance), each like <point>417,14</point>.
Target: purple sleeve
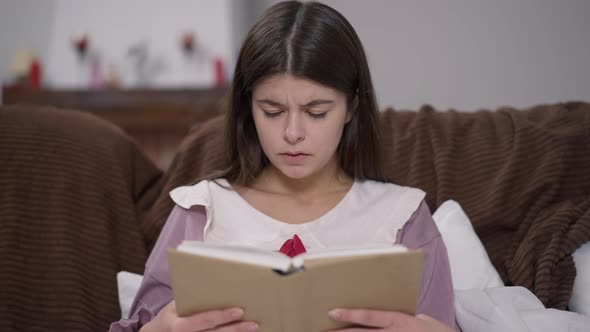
<point>436,297</point>
<point>155,291</point>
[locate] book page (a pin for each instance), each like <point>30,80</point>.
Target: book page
<point>299,260</point>
<point>237,253</point>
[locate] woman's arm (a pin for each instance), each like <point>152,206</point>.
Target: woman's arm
<point>155,291</point>
<point>436,297</point>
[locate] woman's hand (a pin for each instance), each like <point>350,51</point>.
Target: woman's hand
<point>387,321</point>
<point>227,320</point>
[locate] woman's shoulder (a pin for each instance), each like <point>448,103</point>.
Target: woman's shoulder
<point>388,198</point>
<point>389,190</point>
<point>382,208</point>
<point>198,193</point>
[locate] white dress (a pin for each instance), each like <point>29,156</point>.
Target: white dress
<point>370,214</point>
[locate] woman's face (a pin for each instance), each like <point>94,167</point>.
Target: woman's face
<point>299,123</point>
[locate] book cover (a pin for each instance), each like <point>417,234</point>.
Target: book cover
<point>293,294</point>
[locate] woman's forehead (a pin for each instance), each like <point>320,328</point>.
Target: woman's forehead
<point>284,86</point>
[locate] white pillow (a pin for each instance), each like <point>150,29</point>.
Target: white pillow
<point>580,300</point>
<point>128,284</point>
<point>470,265</point>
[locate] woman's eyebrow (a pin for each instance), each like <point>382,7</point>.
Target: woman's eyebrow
<point>315,102</point>
<point>318,102</point>
<point>269,102</point>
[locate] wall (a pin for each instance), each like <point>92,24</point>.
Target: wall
<point>243,15</point>
<point>24,24</point>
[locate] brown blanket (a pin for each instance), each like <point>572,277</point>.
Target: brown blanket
<point>72,191</point>
<point>522,177</point>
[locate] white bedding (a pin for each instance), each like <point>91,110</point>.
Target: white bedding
<point>513,309</point>
<point>500,309</point>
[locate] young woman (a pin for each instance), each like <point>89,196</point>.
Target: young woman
<point>302,174</point>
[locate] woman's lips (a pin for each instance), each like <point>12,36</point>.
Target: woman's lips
<point>294,158</point>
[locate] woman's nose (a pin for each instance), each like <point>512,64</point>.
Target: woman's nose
<point>294,132</point>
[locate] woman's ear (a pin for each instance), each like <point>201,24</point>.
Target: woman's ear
<point>355,105</point>
<point>348,116</point>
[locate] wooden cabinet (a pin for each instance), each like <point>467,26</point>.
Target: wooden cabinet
<point>157,119</point>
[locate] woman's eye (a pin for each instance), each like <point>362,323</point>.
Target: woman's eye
<point>317,115</point>
<point>272,114</point>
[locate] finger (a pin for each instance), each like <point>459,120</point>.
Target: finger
<point>433,323</point>
<point>372,318</point>
<point>208,320</point>
<point>239,327</point>
<point>170,307</point>
<point>425,317</point>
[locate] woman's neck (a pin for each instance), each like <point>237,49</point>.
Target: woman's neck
<point>330,178</point>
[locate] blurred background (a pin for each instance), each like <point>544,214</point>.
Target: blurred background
<point>120,57</point>
<point>455,53</point>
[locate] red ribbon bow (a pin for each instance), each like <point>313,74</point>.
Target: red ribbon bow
<point>293,247</point>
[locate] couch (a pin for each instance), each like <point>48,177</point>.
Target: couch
<point>79,201</point>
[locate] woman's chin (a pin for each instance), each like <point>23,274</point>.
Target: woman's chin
<point>295,172</point>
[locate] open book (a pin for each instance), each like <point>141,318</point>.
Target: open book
<point>293,294</point>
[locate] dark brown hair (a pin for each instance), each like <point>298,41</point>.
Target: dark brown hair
<point>313,41</point>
